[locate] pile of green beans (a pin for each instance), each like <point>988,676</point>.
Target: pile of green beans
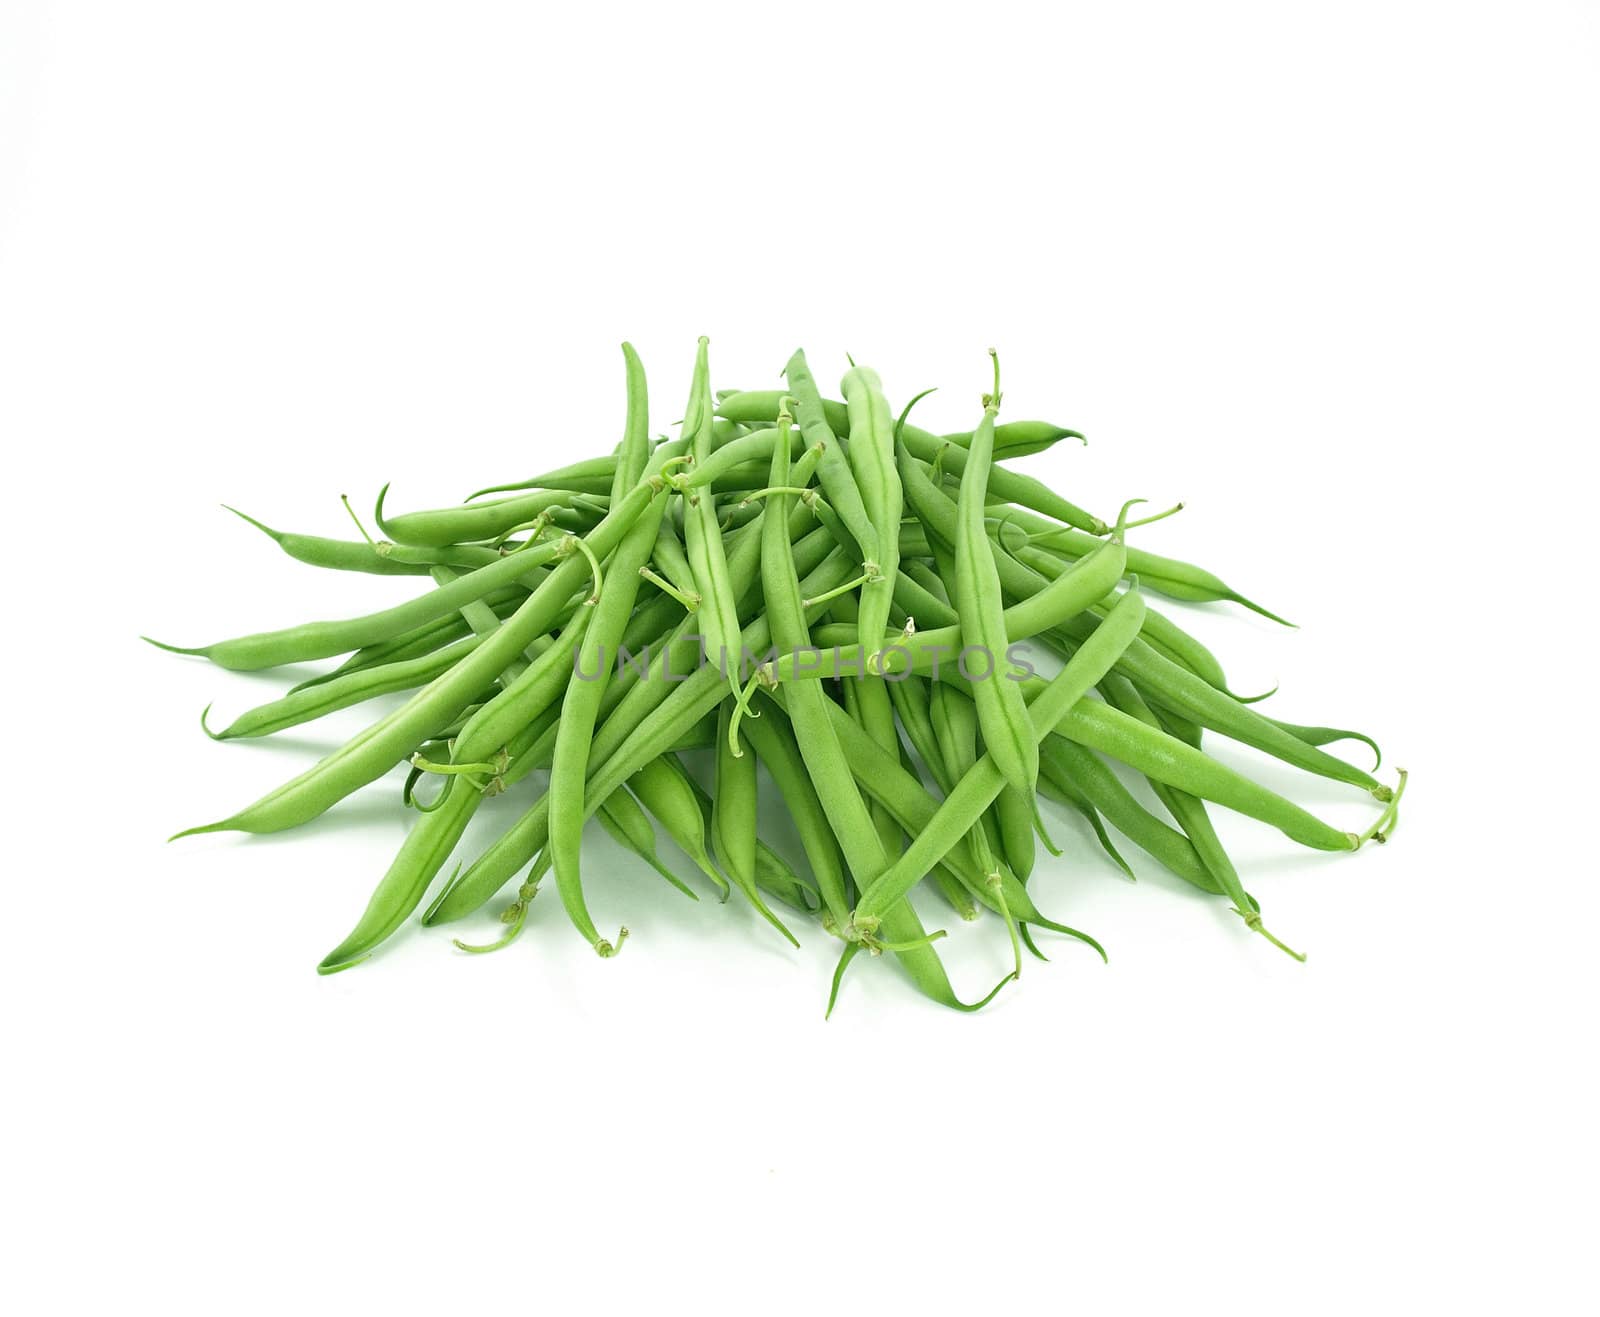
<point>806,586</point>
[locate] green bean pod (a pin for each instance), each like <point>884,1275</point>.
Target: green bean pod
<point>702,538</point>
<point>622,817</point>
<point>381,559</point>
<point>374,751</point>
<point>307,705</point>
<point>314,640</point>
<point>774,741</point>
<point>834,473</point>
<point>881,776</point>
<point>664,788</point>
<point>1190,812</point>
<point>593,662</point>
<point>465,523</point>
<point>972,795</point>
<point>1164,758</point>
<point>1072,764</point>
<point>1002,712</point>
<point>731,811</point>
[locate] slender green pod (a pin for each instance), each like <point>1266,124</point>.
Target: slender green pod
<point>314,640</point>
<point>776,746</point>
<point>372,557</point>
<point>1072,765</point>
<point>665,790</point>
<point>733,815</point>
<point>834,473</point>
<point>622,818</point>
<point>963,806</point>
<point>594,660</point>
<point>718,614</point>
<point>1190,812</point>
<point>377,749</point>
<point>307,705</point>
<point>1002,712</point>
<point>466,523</point>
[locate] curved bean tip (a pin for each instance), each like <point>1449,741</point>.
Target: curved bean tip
<point>276,536</point>
<point>1256,608</point>
<point>1253,699</point>
<point>221,826</point>
<point>172,649</point>
<point>900,425</point>
<point>215,736</point>
<point>1122,517</point>
<point>332,963</point>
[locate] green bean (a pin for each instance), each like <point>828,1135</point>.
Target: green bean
<point>664,787</point>
<point>376,559</point>
<point>1002,712</point>
<point>931,584</point>
<point>1178,689</point>
<point>718,616</point>
<point>776,746</point>
<point>483,620</point>
<point>673,564</point>
<point>314,640</point>
<point>594,476</point>
<point>1325,736</point>
<point>1070,764</point>
<point>943,750</point>
<point>374,751</point>
<point>1063,792</point>
<point>427,846</point>
<point>834,472</point>
<point>881,776</point>
<point>599,647</point>
<point>1014,815</point>
<point>749,450</point>
<point>955,715</point>
<point>1019,438</point>
<point>963,806</point>
<point>1168,576</point>
<point>466,523</point>
<point>1190,811</point>
<point>871,453</point>
<point>846,812</point>
<point>776,877</point>
<point>1164,758</point>
<point>946,883</point>
<point>417,643</point>
<point>878,725</point>
<point>353,688</point>
<point>1160,632</point>
<point>622,817</point>
<point>733,816</point>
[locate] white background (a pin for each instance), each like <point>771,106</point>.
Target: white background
<point>1326,272</point>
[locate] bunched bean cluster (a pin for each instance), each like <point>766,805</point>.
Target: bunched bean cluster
<point>816,586</point>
